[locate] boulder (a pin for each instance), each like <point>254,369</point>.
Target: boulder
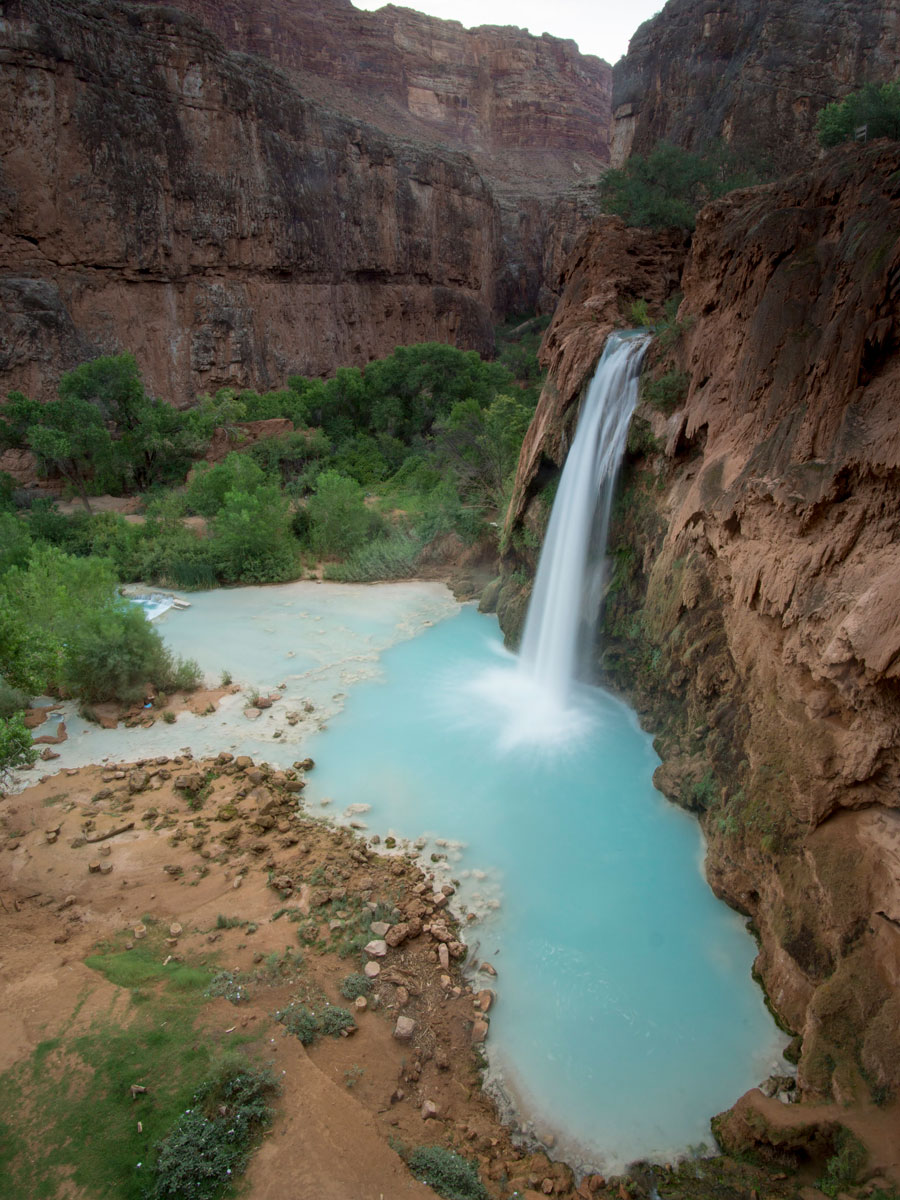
<point>404,1029</point>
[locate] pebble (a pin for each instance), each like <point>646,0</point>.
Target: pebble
<point>376,948</point>
<point>379,928</point>
<point>372,970</point>
<point>361,1003</point>
<point>444,956</point>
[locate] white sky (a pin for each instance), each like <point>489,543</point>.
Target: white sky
<point>600,27</point>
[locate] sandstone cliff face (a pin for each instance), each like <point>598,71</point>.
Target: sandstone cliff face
<point>226,222</point>
<point>754,74</point>
<point>495,91</point>
<point>753,613</point>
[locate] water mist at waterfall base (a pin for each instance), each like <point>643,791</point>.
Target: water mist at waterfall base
<point>540,700</point>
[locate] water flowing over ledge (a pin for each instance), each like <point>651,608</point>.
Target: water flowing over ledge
<point>568,588</point>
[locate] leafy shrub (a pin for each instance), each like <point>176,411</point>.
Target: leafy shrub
<point>252,540</point>
<point>15,541</point>
<point>211,1139</point>
<point>355,985</point>
<point>114,653</point>
<point>451,1175</point>
<point>845,1166</point>
<point>234,986</point>
<point>875,106</point>
<point>210,485</point>
<point>338,518</point>
<point>301,1022</point>
<point>639,313</point>
<point>667,392</point>
<point>16,749</point>
<point>12,700</point>
<point>335,1020</point>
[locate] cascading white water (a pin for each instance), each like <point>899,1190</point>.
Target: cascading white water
<point>566,593</point>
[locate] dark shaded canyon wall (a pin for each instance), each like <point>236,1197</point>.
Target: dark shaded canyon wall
<point>753,613</point>
<point>752,72</point>
<point>498,92</point>
<point>163,194</point>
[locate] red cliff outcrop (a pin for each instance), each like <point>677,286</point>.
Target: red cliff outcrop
<point>232,218</point>
<point>753,612</point>
<point>752,74</point>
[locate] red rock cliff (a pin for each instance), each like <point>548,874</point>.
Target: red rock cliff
<point>753,613</point>
<point>230,221</point>
<point>753,73</point>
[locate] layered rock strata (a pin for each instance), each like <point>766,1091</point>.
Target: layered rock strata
<point>225,219</point>
<point>752,74</point>
<point>752,614</point>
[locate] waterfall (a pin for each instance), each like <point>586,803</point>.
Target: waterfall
<point>569,584</point>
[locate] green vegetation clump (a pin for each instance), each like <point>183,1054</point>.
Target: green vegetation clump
<point>301,1022</point>
<point>380,460</point>
<point>451,1175</point>
<point>667,187</point>
<point>874,110</point>
<point>16,749</point>
<point>667,392</point>
<point>355,985</point>
<point>336,1020</point>
<point>64,627</point>
<point>845,1166</point>
<point>212,1138</point>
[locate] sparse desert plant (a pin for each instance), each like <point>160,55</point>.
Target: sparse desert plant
<point>211,1140</point>
<point>335,1020</point>
<point>451,1175</point>
<point>355,985</point>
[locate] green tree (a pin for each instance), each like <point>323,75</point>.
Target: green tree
<point>16,749</point>
<point>64,626</point>
<point>481,445</point>
<point>152,441</point>
<point>66,436</point>
<point>252,539</point>
<point>666,187</point>
<point>15,541</point>
<point>875,107</point>
<point>338,518</point>
<point>210,484</point>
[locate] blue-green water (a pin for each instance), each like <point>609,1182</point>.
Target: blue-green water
<point>626,1015</point>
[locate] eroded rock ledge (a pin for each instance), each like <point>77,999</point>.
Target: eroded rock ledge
<point>752,615</point>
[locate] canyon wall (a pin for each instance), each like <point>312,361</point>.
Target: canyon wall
<point>752,614</point>
<point>753,74</point>
<point>225,218</point>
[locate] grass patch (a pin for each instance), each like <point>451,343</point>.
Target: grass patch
<point>392,557</point>
<point>141,967</point>
<point>71,1121</point>
<point>77,1121</point>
